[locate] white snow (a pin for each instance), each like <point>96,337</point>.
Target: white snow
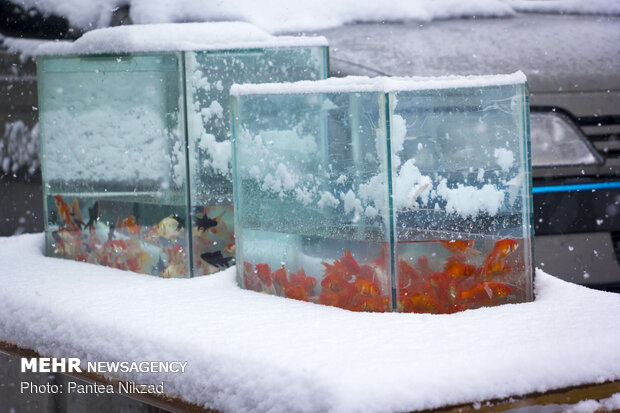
<point>351,204</point>
<point>26,48</point>
<point>19,148</point>
<point>174,37</point>
<point>504,158</point>
<point>359,84</point>
<point>284,15</point>
<point>468,200</point>
<point>250,351</point>
<point>327,199</point>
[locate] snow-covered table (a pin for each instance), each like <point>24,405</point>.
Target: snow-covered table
<point>251,351</point>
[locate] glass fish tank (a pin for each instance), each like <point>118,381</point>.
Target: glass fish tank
<point>136,143</point>
<point>385,194</point>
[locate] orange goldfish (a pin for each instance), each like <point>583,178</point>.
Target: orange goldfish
<point>368,271</point>
<point>347,266</point>
<point>130,225</point>
<point>504,247</point>
<point>329,298</point>
<point>264,274</point>
<point>76,213</point>
<point>373,304</point>
<point>296,292</point>
<point>334,282</point>
<point>485,291</point>
<point>460,248</point>
<point>495,266</point>
<point>366,287</point>
<point>301,279</point>
<point>230,248</point>
<point>250,277</point>
<point>419,303</point>
<point>457,269</point>
<point>494,262</point>
<point>423,266</point>
<point>280,278</point>
<point>349,263</point>
<point>65,213</point>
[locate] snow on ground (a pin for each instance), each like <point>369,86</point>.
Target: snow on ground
<point>251,351</point>
<point>285,15</point>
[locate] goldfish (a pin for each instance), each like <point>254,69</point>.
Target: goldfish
<point>280,278</point>
<point>419,303</point>
<point>76,213</point>
<point>130,225</point>
<point>457,269</point>
<point>173,271</point>
<point>151,235</point>
<point>485,291</point>
<point>494,262</point>
<point>69,243</point>
<point>423,267</point>
<point>134,251</point>
<point>65,213</point>
<point>372,304</point>
<point>369,272</point>
<point>460,248</point>
<point>329,298</point>
<point>366,287</point>
<point>264,274</point>
<point>352,267</point>
<point>250,277</point>
<point>347,266</point>
<point>301,279</point>
<point>168,228</point>
<point>334,282</point>
<point>296,292</point>
<point>504,247</point>
<point>406,273</point>
<point>230,248</point>
<point>496,266</point>
<point>343,298</point>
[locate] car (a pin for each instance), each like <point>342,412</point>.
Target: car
<point>574,84</point>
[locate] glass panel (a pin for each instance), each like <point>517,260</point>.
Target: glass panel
<point>303,164</point>
<point>461,198</point>
<point>209,77</point>
<point>113,151</point>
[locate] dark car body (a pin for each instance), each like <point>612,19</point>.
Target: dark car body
<point>572,63</point>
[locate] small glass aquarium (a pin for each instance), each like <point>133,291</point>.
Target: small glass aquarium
<point>385,194</point>
<point>136,148</point>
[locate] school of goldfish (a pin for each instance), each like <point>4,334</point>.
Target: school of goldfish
<point>127,242</point>
<point>348,285</point>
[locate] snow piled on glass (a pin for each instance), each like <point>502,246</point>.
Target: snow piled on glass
<point>248,351</point>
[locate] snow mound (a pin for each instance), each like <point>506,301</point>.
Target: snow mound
<point>251,351</point>
<point>174,37</point>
